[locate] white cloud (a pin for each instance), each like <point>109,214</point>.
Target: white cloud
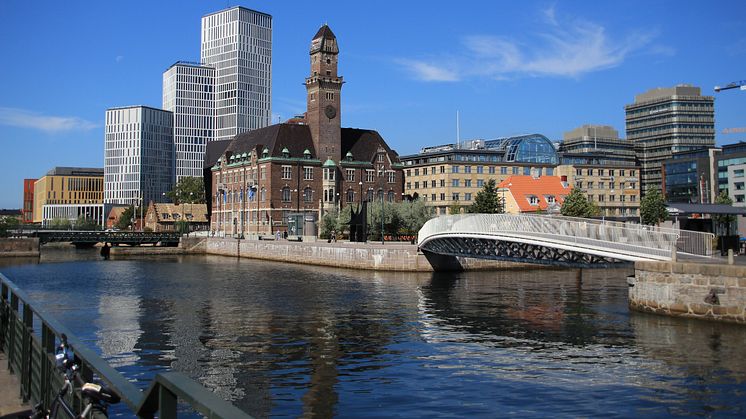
<point>429,71</point>
<point>50,124</point>
<point>119,58</point>
<point>568,48</point>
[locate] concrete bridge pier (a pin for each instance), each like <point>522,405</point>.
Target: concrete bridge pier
<point>443,263</point>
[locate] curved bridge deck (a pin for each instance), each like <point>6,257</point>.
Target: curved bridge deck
<point>556,240</point>
<point>115,237</point>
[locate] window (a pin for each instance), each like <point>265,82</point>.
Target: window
<point>432,197</point>
<point>417,185</point>
<point>601,185</point>
<point>264,173</point>
<point>454,169</point>
<point>454,196</point>
<point>480,169</point>
<point>533,200</point>
<point>601,198</point>
<point>467,183</point>
<point>467,197</point>
<point>442,197</point>
<point>350,175</point>
<point>578,172</point>
<point>515,170</point>
<point>287,172</point>
<point>369,175</point>
<point>442,169</point>
<point>442,183</point>
<point>370,195</point>
<point>455,183</point>
<point>350,195</point>
<point>550,171</point>
<point>380,159</point>
<point>492,170</point>
<point>390,196</point>
<point>590,185</point>
<point>600,172</point>
<point>409,185</point>
<point>549,198</point>
<point>263,195</point>
<point>286,194</point>
<point>527,171</point>
<point>612,198</point>
<point>480,183</point>
<point>590,172</point>
<point>738,173</point>
<point>611,172</point>
<point>416,172</point>
<point>467,169</point>
<point>503,170</point>
<point>308,173</point>
<point>432,183</point>
<point>308,195</point>
<point>392,177</point>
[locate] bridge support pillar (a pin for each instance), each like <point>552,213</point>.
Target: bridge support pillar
<point>443,263</point>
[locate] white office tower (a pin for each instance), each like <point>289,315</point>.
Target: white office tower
<point>138,155</point>
<point>188,92</point>
<point>238,43</point>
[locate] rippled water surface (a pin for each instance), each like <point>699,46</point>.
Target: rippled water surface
<point>287,340</point>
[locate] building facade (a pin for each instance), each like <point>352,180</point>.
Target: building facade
<point>731,166</point>
<point>27,211</point>
<point>664,121</point>
<point>529,194</point>
<point>237,42</point>
<point>452,174</point>
<point>67,186</point>
<point>614,188</point>
<point>691,176</point>
<point>189,93</point>
<point>601,140</point>
<point>138,155</point>
<point>285,176</point>
<point>165,217</point>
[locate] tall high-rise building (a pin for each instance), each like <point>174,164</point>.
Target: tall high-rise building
<point>663,121</point>
<point>237,42</point>
<point>188,92</point>
<point>138,156</point>
<point>598,140</point>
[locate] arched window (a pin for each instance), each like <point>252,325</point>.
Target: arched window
<point>307,195</point>
<point>350,195</point>
<point>286,194</point>
<point>390,196</point>
<point>380,195</point>
<point>263,195</point>
<point>369,198</point>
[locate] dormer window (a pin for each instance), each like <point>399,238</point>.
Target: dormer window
<point>285,153</point>
<point>265,153</point>
<point>306,154</point>
<point>533,199</point>
<point>348,156</point>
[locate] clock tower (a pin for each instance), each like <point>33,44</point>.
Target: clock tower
<point>323,87</point>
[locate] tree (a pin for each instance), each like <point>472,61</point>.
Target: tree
<point>653,208</point>
<point>576,204</point>
<point>724,221</point>
<point>189,190</point>
<point>125,220</point>
<point>8,223</point>
<point>487,201</point>
<point>86,223</point>
<point>454,208</point>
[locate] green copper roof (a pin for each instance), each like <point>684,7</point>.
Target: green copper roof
<point>329,163</point>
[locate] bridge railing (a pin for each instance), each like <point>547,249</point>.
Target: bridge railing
<point>610,237</point>
<point>29,336</point>
<point>692,242</point>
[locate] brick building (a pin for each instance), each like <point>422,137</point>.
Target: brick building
<point>28,201</point>
<point>285,176</point>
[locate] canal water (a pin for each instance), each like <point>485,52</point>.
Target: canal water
<point>284,340</point>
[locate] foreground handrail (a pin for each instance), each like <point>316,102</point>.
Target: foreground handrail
<point>32,358</point>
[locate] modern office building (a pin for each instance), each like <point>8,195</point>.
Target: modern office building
<point>75,186</point>
<point>189,93</point>
<point>731,166</point>
<point>601,140</point>
<point>138,155</point>
<point>453,174</point>
<point>285,176</point>
<point>664,121</point>
<point>691,176</point>
<point>27,211</point>
<point>237,42</point>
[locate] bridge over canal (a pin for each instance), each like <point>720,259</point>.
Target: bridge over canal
<point>553,240</point>
<point>90,238</point>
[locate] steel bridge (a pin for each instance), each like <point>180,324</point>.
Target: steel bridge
<point>89,238</point>
<point>553,240</point>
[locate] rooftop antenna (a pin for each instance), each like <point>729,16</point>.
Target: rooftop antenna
<point>458,134</point>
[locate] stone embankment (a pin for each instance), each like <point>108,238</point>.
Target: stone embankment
<point>13,247</point>
<point>373,256</point>
<point>707,291</point>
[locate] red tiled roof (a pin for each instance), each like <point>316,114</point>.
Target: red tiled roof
<point>523,187</point>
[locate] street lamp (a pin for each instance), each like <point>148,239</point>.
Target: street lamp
<point>382,194</point>
<point>190,211</point>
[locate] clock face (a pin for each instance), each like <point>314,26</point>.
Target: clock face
<point>330,111</point>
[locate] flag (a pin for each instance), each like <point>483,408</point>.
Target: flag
<point>251,194</point>
<point>225,197</point>
<point>240,195</point>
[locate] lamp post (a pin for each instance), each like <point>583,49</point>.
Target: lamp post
<point>382,232</point>
<point>191,194</point>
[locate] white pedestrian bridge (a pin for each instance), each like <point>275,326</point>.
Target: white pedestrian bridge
<point>556,240</point>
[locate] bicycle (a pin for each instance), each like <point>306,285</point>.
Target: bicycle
<point>96,397</point>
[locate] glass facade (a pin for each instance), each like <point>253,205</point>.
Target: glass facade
<point>682,182</point>
<point>534,148</point>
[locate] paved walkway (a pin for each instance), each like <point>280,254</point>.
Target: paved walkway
<point>10,404</point>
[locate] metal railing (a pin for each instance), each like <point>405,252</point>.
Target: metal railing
<point>610,237</point>
<point>30,354</point>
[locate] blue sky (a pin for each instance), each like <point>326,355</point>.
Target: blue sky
<point>507,67</point>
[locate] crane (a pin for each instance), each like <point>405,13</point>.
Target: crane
<point>741,84</point>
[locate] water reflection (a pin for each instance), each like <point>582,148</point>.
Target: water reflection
<point>288,341</point>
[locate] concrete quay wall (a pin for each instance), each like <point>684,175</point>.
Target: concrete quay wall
<point>19,246</point>
<point>387,257</point>
<point>706,291</point>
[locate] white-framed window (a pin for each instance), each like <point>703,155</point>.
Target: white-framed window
<point>533,199</point>
<point>286,194</point>
<point>391,177</point>
<point>350,175</point>
<point>307,173</point>
<point>550,199</point>
<point>369,175</point>
<point>287,172</point>
<point>307,195</point>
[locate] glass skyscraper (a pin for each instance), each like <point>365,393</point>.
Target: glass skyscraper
<point>237,42</point>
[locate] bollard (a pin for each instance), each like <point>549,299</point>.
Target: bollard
<point>673,253</point>
<point>730,257</point>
